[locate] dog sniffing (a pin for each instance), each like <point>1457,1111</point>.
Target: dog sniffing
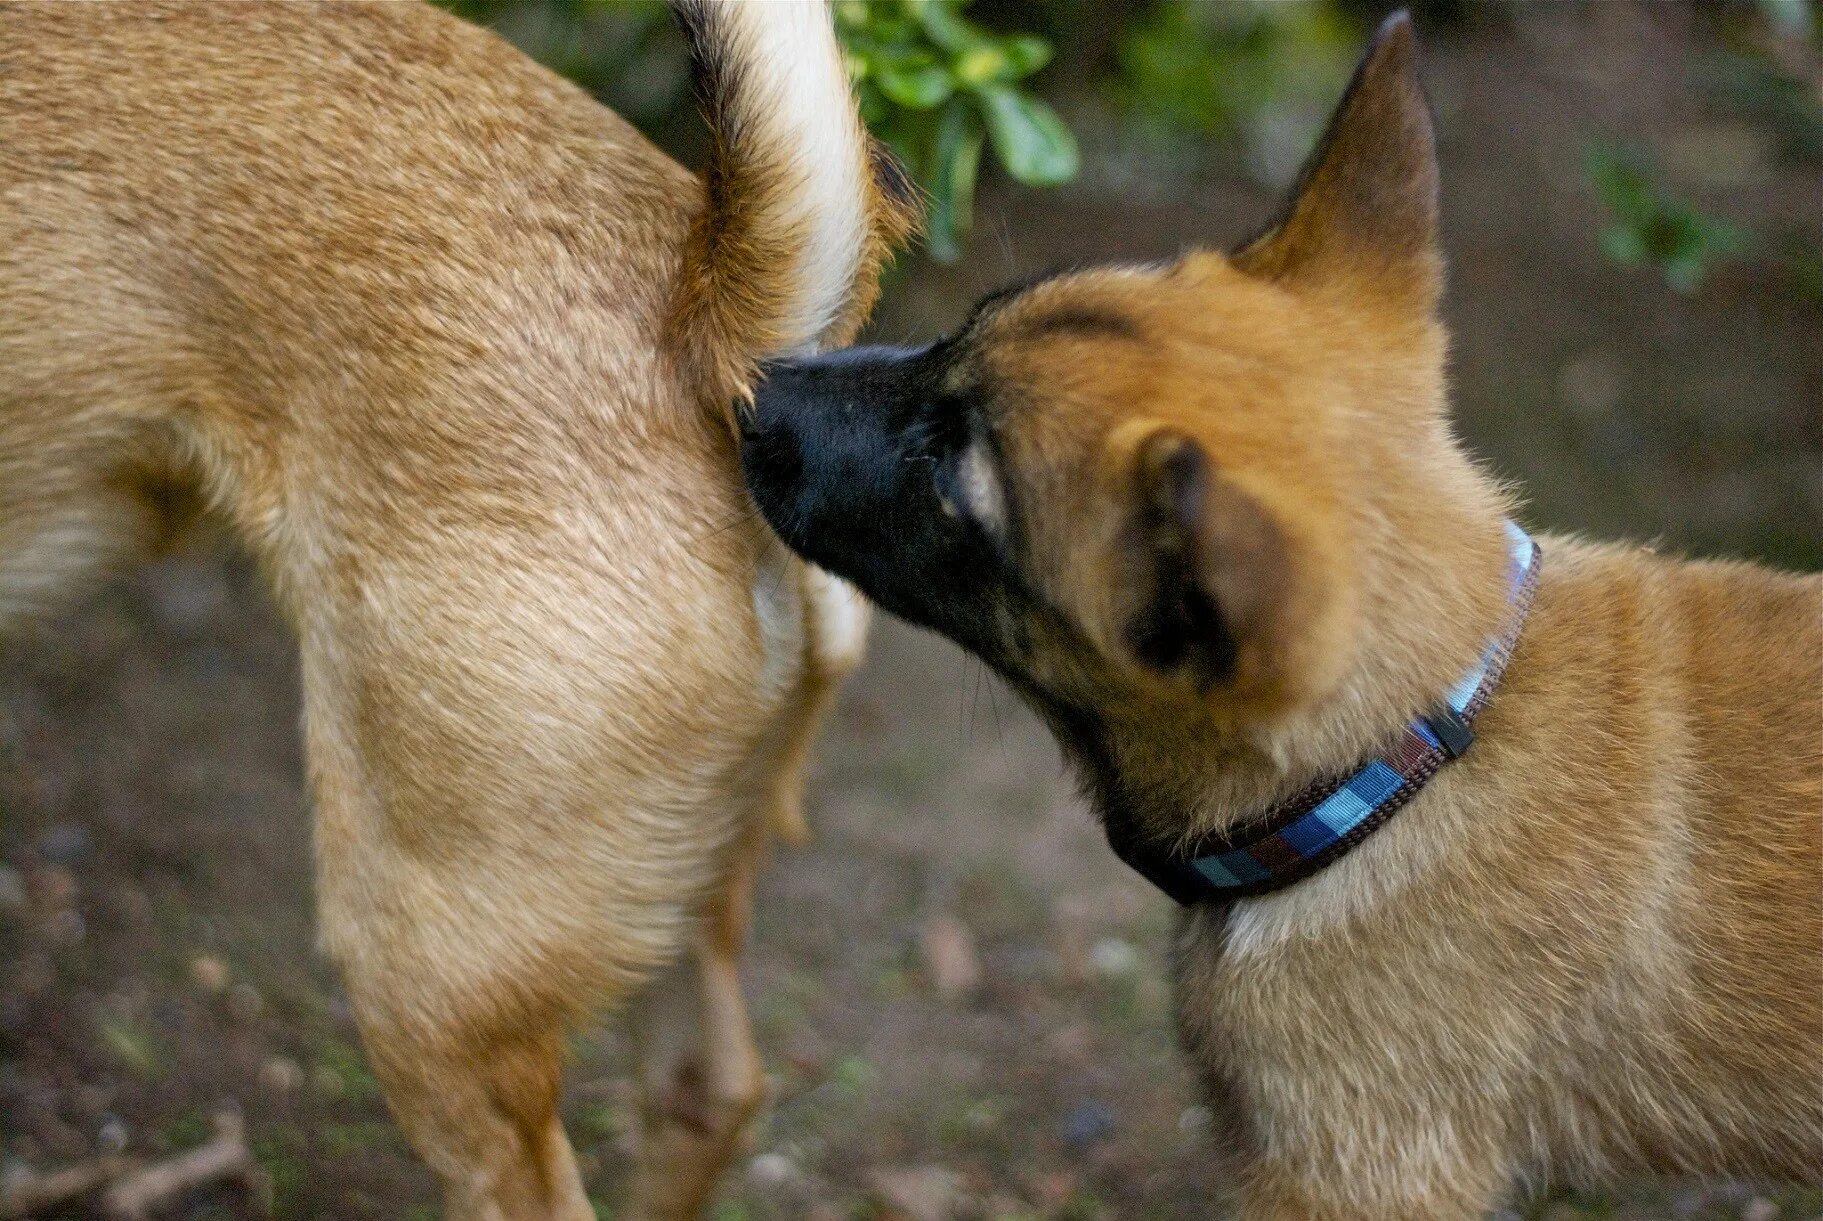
<point>1501,855</point>
<point>450,348</point>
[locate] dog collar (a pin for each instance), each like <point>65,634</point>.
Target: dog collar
<point>1319,825</point>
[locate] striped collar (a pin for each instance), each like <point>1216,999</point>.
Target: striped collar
<point>1319,825</point>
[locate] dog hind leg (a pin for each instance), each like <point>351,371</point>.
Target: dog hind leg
<point>835,639</point>
<point>701,1079</point>
<point>483,1113</point>
<point>465,1033</point>
<point>489,869</point>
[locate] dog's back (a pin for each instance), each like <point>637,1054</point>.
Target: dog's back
<point>451,347</point>
<point>239,224</point>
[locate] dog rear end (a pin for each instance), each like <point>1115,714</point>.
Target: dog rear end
<point>450,347</point>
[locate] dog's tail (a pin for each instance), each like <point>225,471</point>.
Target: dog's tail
<point>802,207</point>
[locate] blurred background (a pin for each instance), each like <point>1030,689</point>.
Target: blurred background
<point>960,993</point>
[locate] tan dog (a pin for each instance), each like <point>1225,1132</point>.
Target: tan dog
<point>1210,520</point>
<point>452,347</point>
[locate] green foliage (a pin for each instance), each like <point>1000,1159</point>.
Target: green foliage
<point>938,88</point>
<point>1226,71</point>
<point>1649,227</point>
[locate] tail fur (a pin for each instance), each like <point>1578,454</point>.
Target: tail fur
<point>803,207</point>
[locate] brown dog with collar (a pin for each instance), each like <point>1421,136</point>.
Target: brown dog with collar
<point>1209,519</point>
<point>451,348</point>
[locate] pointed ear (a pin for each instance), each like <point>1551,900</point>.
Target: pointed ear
<point>1228,596</point>
<point>1365,207</point>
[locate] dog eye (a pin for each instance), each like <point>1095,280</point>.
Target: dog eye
<point>978,483</point>
<point>968,487</point>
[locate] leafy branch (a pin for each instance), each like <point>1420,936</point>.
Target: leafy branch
<point>938,88</point>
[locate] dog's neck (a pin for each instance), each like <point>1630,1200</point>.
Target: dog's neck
<point>1435,584</point>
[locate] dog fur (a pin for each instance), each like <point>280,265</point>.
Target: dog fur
<point>450,347</point>
<point>1210,520</point>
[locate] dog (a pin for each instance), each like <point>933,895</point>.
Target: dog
<point>450,348</point>
<point>1501,858</point>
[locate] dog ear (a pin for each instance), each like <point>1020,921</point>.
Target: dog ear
<point>1364,212</point>
<point>1227,597</point>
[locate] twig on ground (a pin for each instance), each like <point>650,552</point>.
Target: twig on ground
<point>133,1187</point>
<point>225,1156</point>
<point>26,1193</point>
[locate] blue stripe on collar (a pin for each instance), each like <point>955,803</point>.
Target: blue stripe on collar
<point>1318,826</point>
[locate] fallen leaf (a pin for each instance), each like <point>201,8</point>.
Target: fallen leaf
<point>950,960</point>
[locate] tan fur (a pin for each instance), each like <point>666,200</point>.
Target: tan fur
<point>404,307</point>
<point>1594,945</point>
<point>776,145</point>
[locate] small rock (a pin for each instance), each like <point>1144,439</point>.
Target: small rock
<point>208,973</point>
<point>12,889</point>
<point>921,1193</point>
<point>950,960</point>
<point>1089,1124</point>
<point>64,844</point>
<point>14,1174</point>
<point>281,1075</point>
<point>112,1137</point>
<point>1760,1209</point>
<point>1114,958</point>
<point>772,1169</point>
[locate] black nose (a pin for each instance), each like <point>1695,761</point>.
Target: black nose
<point>821,445</point>
<point>771,448</point>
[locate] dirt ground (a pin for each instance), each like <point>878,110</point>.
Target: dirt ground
<point>156,962</point>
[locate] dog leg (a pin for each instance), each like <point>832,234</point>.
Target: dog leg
<point>785,795</point>
<point>835,637</point>
<point>701,1077</point>
<point>474,922</point>
<point>1273,1200</point>
<point>483,1114</point>
<point>1386,1189</point>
